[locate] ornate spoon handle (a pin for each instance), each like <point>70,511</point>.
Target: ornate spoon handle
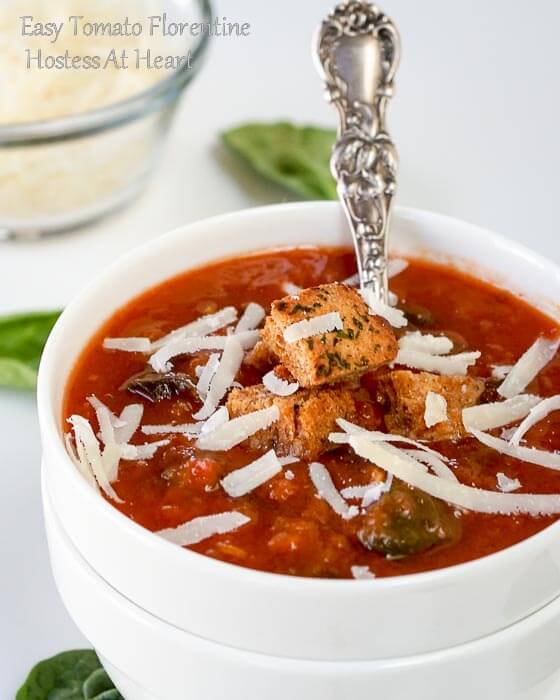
<point>358,51</point>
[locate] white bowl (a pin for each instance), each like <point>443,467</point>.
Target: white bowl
<point>151,660</point>
<point>266,613</point>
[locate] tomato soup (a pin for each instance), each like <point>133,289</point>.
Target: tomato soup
<point>290,527</point>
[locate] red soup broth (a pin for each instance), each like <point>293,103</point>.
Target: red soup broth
<point>291,530</point>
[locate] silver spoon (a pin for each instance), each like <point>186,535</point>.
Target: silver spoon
<point>357,53</point>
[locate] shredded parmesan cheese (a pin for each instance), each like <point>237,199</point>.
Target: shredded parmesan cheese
<point>184,346</point>
<point>551,460</point>
<point>251,319</point>
<point>378,308</point>
<point>36,93</point>
<point>291,289</point>
<point>89,454</point>
<point>359,492</point>
<point>191,345</point>
<point>215,421</point>
<point>189,429</point>
<point>508,433</point>
<point>405,468</point>
<point>128,344</point>
<point>289,459</point>
<point>446,364</point>
<point>244,480</point>
<point>373,494</point>
<point>115,434</point>
<point>57,179</point>
<point>206,374</point>
<point>430,344</point>
<point>228,367</point>
<point>142,452</point>
<point>106,419</point>
<point>79,460</point>
<point>239,429</point>
<point>115,429</point>
<point>200,327</point>
<point>362,572</point>
<point>325,323</point>
<point>429,353</point>
<point>487,416</point>
<point>501,371</point>
<point>370,493</point>
<point>436,464</point>
<point>376,436</point>
<point>327,491</point>
<point>278,386</point>
<point>537,413</point>
<point>202,528</point>
<point>435,410</point>
<point>507,485</point>
<point>528,366</point>
<point>111,454</point>
<point>129,420</point>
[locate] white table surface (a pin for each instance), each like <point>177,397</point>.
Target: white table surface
<point>476,120</point>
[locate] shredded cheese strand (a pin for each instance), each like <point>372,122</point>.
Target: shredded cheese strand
<point>435,409</point>
<point>309,327</point>
<point>327,491</point>
<point>128,344</point>
<point>189,346</point>
<point>441,364</point>
<point>487,416</point>
<point>251,319</point>
<point>528,366</point>
<point>537,413</point>
<point>89,451</point>
<point>404,467</point>
<point>378,308</point>
<point>550,460</point>
<point>229,366</point>
<point>238,429</point>
<point>199,529</point>
<point>200,327</point>
<point>244,480</point>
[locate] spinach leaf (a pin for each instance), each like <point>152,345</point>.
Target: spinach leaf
<point>22,338</point>
<point>296,158</point>
<point>72,675</point>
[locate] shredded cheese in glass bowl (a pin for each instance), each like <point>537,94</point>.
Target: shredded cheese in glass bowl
<point>87,95</point>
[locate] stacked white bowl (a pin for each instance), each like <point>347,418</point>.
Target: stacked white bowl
<point>171,624</point>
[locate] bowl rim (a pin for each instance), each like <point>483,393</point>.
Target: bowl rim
<point>114,114</point>
<point>51,428</point>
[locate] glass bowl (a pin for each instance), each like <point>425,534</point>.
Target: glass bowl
<point>61,173</point>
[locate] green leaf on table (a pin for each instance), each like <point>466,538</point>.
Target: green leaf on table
<point>72,675</point>
<point>295,157</point>
<point>22,339</point>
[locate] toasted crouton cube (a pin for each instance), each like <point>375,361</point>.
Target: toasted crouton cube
<point>406,394</point>
<point>260,357</point>
<point>365,343</point>
<point>306,418</point>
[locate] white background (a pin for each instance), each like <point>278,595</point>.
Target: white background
<point>476,119</point>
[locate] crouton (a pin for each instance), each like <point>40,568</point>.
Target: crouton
<point>306,418</point>
<point>365,343</point>
<point>406,394</point>
<point>260,357</point>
